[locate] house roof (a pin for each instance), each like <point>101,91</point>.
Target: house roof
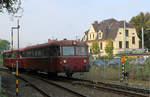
<point>109,28</point>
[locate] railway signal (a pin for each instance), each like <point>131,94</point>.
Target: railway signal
<point>17,82</point>
<point>123,68</point>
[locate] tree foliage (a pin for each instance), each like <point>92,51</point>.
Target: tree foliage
<point>95,47</point>
<point>109,48</point>
<point>11,6</point>
<point>4,45</point>
<point>139,21</point>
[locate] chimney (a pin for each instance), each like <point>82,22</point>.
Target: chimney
<point>95,22</point>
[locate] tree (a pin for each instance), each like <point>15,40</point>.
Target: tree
<point>139,21</point>
<point>11,6</point>
<point>95,47</point>
<point>109,48</point>
<point>4,45</point>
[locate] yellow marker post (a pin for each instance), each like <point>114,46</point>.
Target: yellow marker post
<point>17,74</point>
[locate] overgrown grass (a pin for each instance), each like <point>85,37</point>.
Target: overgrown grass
<point>99,73</point>
<point>2,93</point>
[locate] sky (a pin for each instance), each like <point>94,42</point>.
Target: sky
<point>58,19</point>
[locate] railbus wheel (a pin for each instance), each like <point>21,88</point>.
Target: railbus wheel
<point>52,74</point>
<point>69,74</point>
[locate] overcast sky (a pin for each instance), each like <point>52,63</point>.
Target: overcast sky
<point>44,19</point>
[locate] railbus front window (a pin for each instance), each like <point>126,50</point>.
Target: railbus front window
<point>68,50</point>
<point>81,51</point>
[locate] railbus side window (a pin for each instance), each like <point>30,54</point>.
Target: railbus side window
<point>46,51</point>
<point>41,49</point>
<point>32,53</point>
<point>24,54</point>
<point>35,53</point>
<point>39,53</point>
<point>29,53</point>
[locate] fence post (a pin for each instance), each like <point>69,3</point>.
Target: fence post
<point>104,68</point>
<point>137,70</point>
<point>119,71</point>
<point>0,84</point>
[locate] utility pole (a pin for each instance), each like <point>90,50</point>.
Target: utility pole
<point>124,36</point>
<point>142,38</point>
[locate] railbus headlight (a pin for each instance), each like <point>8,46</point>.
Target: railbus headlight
<point>65,61</point>
<point>84,61</point>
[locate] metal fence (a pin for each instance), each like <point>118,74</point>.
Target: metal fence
<point>111,69</point>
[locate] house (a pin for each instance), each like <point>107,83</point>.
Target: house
<point>117,31</point>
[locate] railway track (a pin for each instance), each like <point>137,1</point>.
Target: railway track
<point>62,87</point>
<point>108,87</point>
<point>115,88</point>
<point>34,80</point>
<point>29,83</point>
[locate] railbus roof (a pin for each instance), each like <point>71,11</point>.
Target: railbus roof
<point>58,43</point>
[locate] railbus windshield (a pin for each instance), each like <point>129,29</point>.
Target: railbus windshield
<point>74,51</point>
<point>81,51</point>
<point>68,51</point>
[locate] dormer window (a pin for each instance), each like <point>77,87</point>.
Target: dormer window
<point>100,35</point>
<point>127,33</point>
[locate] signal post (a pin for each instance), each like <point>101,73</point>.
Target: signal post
<point>17,62</point>
<point>123,68</point>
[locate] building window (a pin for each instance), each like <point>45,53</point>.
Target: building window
<point>119,32</point>
<point>127,33</point>
<point>101,46</point>
<point>100,35</point>
<point>93,36</point>
<point>120,44</point>
<point>90,36</point>
<point>133,40</point>
<point>90,50</point>
<point>127,44</point>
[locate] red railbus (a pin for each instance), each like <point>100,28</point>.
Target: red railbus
<point>65,56</point>
<point>10,58</point>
